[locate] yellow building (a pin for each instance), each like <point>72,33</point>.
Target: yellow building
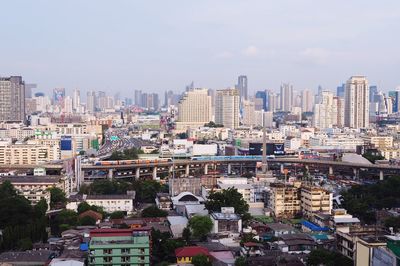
<point>284,200</point>
<point>185,255</point>
<point>315,199</point>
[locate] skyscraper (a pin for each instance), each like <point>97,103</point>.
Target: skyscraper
<point>58,96</point>
<point>286,97</point>
<point>227,108</point>
<point>325,111</point>
<point>340,90</point>
<point>357,102</point>
<point>12,99</point>
<point>249,118</point>
<point>28,90</point>
<point>91,102</point>
<point>395,95</point>
<point>194,109</point>
<point>242,87</point>
<point>373,90</point>
<point>307,101</point>
<point>263,95</point>
<point>76,100</point>
<point>68,105</point>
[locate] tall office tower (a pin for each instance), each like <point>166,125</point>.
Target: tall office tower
<point>138,97</point>
<point>273,101</point>
<point>249,113</point>
<point>91,102</point>
<point>340,90</point>
<point>168,96</point>
<point>68,105</point>
<point>286,97</point>
<point>268,119</point>
<point>101,100</point>
<point>12,99</point>
<point>242,87</point>
<point>339,102</point>
<point>373,91</point>
<point>76,100</point>
<point>58,96</point>
<point>190,86</point>
<point>28,90</point>
<point>357,102</point>
<point>143,100</point>
<point>152,101</point>
<point>307,100</point>
<point>227,103</point>
<point>389,105</point>
<point>296,99</point>
<point>263,95</point>
<point>194,109</point>
<point>325,111</point>
<point>395,95</point>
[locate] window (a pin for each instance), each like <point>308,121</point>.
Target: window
<point>107,259</point>
<point>125,259</point>
<point>125,250</point>
<point>107,251</point>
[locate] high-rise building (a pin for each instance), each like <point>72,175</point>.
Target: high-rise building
<point>138,98</point>
<point>68,105</point>
<point>242,87</point>
<point>339,102</point>
<point>395,95</point>
<point>340,90</point>
<point>227,108</point>
<point>28,90</point>
<point>58,96</point>
<point>307,100</point>
<point>273,101</point>
<point>286,97</point>
<point>263,95</point>
<point>194,109</point>
<point>91,102</point>
<point>357,102</point>
<point>325,111</point>
<point>373,90</point>
<point>76,100</point>
<point>12,99</point>
<point>249,113</point>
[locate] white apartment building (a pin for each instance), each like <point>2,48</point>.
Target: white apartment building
<point>381,142</point>
<point>249,117</point>
<point>194,109</point>
<point>27,154</point>
<point>227,103</point>
<point>247,190</point>
<point>357,102</point>
<point>111,203</point>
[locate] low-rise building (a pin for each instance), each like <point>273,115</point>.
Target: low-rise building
<point>184,255</point>
<point>315,199</point>
<point>111,203</point>
<point>226,221</point>
<point>284,200</point>
<point>120,247</point>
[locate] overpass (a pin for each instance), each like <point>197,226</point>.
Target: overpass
<point>187,164</point>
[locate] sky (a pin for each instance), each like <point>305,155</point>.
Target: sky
<point>158,45</point>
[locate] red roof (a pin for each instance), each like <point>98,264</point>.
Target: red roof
<point>191,251</point>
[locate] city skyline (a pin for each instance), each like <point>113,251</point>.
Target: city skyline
<point>81,45</point>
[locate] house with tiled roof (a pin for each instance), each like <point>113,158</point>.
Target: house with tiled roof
<point>184,255</point>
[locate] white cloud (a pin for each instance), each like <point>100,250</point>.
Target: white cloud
<point>318,56</point>
<point>251,51</point>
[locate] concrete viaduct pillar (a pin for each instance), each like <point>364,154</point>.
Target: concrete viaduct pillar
<point>154,173</point>
<point>137,173</point>
<point>330,170</point>
<point>187,170</point>
<point>110,174</point>
<point>206,169</point>
<point>356,172</point>
<point>381,175</point>
<point>229,169</point>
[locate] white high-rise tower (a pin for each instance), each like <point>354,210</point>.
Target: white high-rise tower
<point>357,102</point>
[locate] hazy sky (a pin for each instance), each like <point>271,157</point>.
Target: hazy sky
<point>165,44</point>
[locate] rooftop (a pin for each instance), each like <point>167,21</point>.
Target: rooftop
<point>191,251</point>
<point>225,216</point>
<point>40,256</point>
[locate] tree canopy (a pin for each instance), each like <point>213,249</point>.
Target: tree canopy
<point>227,198</point>
<point>200,226</point>
<point>128,154</point>
<point>201,260</point>
<point>213,124</point>
<point>57,197</point>
<point>320,257</point>
<point>153,211</point>
<point>363,200</point>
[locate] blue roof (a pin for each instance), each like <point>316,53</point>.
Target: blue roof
<point>313,227</point>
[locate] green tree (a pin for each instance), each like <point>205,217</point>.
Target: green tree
<point>240,261</point>
<point>226,198</point>
<point>57,196</point>
<point>87,220</point>
<point>186,235</point>
<point>83,206</point>
<point>117,215</point>
<point>146,190</point>
<point>40,208</point>
<point>201,260</point>
<point>153,211</point>
<point>200,226</point>
<point>25,244</point>
<point>320,257</point>
<point>393,222</point>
